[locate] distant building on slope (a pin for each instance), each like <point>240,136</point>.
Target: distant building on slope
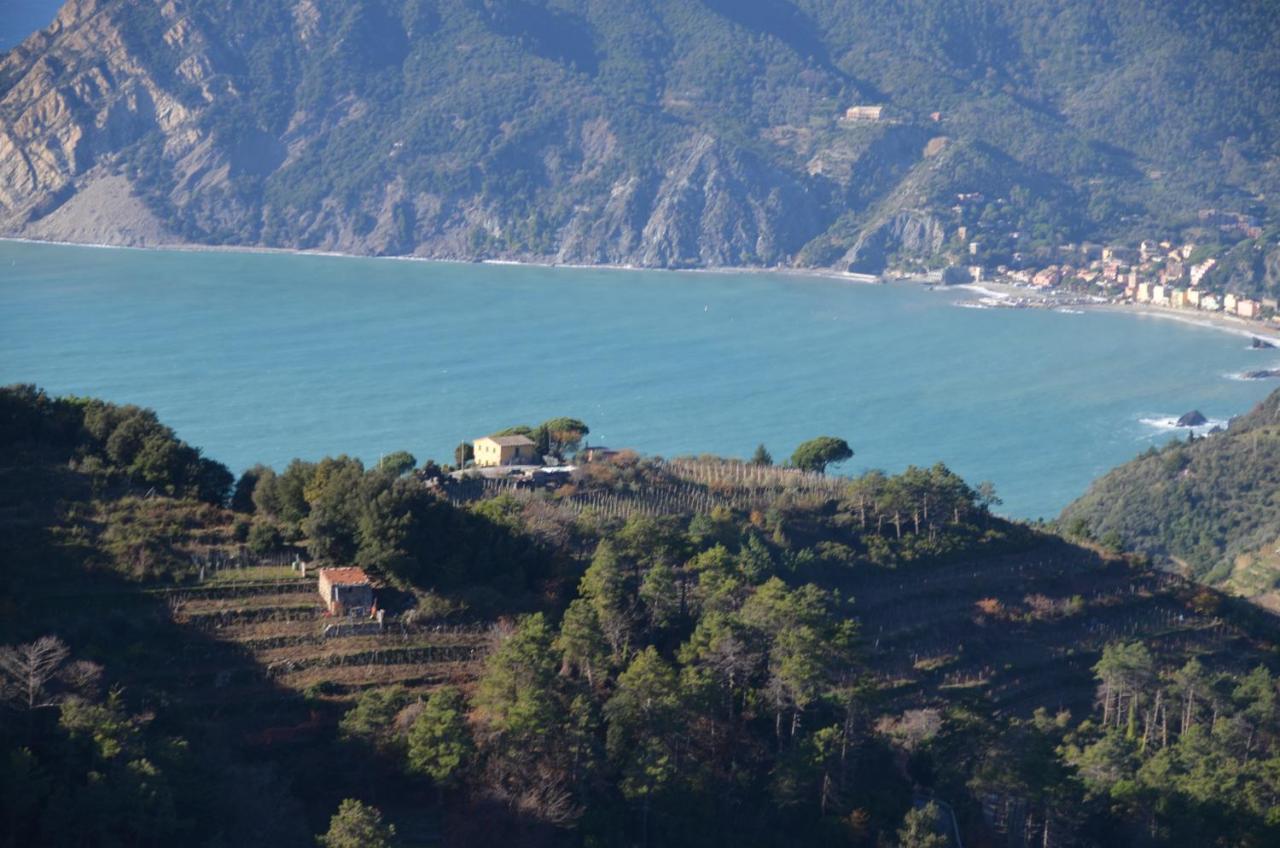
<point>345,590</point>
<point>1198,271</point>
<point>864,113</point>
<point>505,450</point>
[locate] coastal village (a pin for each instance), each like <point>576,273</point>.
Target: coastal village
<point>1159,274</point>
<point>1154,274</point>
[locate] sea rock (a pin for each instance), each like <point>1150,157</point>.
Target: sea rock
<point>1262,374</point>
<point>1194,418</point>
<point>1261,344</point>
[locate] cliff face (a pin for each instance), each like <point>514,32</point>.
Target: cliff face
<point>624,131</point>
<point>73,97</point>
<point>78,97</point>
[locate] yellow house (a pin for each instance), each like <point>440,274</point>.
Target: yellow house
<point>505,450</point>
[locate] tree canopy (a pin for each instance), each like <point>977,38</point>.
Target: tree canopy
<point>816,454</point>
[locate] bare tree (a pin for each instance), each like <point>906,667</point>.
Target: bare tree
<point>26,671</point>
<point>83,677</point>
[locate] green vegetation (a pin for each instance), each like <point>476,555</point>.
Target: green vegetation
<point>358,825</point>
<point>1208,504</point>
<point>816,454</point>
<point>683,652</point>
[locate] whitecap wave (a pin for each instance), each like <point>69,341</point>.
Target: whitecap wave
<point>1167,423</point>
<point>1242,376</point>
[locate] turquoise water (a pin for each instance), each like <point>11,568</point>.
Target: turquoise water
<point>266,357</point>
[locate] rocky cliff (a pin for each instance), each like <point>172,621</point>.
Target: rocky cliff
<point>628,132</point>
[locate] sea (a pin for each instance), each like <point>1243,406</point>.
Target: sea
<point>263,357</point>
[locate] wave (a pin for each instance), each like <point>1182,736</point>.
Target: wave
<point>1169,423</point>
<point>983,290</point>
<point>1242,376</point>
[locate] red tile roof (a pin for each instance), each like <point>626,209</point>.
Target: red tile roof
<point>345,576</point>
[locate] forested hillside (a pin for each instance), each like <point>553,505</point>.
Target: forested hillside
<point>653,132</point>
<point>1211,505</point>
<point>687,652</point>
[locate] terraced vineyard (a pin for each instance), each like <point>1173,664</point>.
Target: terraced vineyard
<point>258,655</point>
<point>1024,630</point>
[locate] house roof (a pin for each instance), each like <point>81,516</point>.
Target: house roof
<point>510,441</point>
<point>345,576</point>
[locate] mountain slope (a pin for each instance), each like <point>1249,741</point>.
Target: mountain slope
<point>1212,505</point>
<point>659,133</point>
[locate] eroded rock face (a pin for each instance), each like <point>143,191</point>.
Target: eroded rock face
<point>913,231</point>
<point>70,99</point>
<point>114,132</point>
<point>722,207</point>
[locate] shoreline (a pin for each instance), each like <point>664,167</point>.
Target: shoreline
<point>1223,323</point>
<point>1236,326</point>
<point>1053,302</point>
<point>187,247</point>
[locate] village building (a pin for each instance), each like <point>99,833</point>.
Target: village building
<point>1230,302</point>
<point>1047,278</point>
<point>1198,271</point>
<point>346,591</point>
<point>975,273</point>
<point>1144,292</point>
<point>1270,303</point>
<point>1210,303</point>
<point>1248,308</point>
<point>595,453</point>
<point>1194,296</point>
<point>1159,294</point>
<point>491,451</point>
<point>864,113</point>
<point>1178,298</point>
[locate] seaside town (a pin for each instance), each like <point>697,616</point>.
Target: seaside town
<point>1157,274</point>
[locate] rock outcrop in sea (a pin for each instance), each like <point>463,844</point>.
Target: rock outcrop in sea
<point>1194,418</point>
